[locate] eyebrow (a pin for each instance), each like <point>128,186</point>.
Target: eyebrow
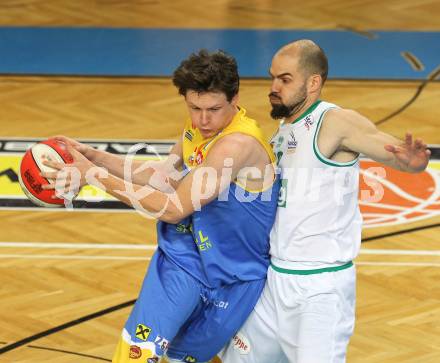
<point>215,106</point>
<point>280,75</point>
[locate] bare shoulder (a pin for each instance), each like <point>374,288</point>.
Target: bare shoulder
<point>341,116</point>
<point>243,149</point>
<point>342,120</point>
<point>237,142</point>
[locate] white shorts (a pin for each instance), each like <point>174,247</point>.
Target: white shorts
<point>298,319</point>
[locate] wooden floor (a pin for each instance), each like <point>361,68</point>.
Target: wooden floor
<point>398,309</point>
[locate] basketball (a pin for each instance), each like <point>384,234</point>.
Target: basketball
<point>32,164</point>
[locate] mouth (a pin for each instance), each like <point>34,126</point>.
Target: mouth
<point>274,96</point>
<point>205,131</point>
<point>274,99</point>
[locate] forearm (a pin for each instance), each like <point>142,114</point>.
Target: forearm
<point>144,198</point>
<point>379,149</point>
<point>118,166</point>
<point>361,135</point>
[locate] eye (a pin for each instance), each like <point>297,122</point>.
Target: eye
<point>285,80</point>
<point>214,109</point>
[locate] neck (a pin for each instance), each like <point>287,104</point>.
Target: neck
<point>300,111</point>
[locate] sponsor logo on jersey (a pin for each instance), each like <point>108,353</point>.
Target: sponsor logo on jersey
<point>189,135</point>
<point>203,243</point>
<point>181,228</point>
<point>190,359</point>
<point>161,343</point>
<point>142,332</point>
<point>197,156</point>
<point>279,142</point>
<point>308,122</point>
<point>282,195</point>
<point>291,143</point>
<point>241,343</point>
<point>135,352</point>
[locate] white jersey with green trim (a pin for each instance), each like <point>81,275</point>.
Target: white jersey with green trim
<point>318,222</point>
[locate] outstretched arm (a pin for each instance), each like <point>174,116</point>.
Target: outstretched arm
<point>359,134</point>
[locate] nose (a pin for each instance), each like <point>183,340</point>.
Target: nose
<point>204,119</point>
<point>275,87</point>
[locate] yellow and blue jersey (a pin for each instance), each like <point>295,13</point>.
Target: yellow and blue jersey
<point>232,232</point>
<point>209,270</point>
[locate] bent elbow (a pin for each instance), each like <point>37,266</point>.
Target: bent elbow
<point>172,217</point>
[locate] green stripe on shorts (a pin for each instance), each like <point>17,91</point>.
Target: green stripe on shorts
<point>311,272</point>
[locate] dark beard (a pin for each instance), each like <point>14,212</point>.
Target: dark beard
<point>283,111</point>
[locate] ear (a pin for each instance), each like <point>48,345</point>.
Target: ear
<point>234,100</point>
<point>314,83</point>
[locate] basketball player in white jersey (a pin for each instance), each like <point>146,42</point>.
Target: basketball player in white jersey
<point>306,312</point>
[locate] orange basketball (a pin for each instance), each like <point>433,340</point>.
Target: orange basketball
<point>32,164</point>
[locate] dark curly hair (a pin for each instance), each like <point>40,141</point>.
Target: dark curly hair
<point>208,72</point>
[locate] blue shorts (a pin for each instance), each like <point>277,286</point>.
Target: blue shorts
<point>177,314</point>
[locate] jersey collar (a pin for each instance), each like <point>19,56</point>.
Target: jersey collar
<point>311,108</point>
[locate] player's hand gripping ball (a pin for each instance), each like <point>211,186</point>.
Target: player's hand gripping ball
<point>32,165</point>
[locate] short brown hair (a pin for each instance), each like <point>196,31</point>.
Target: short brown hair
<point>208,72</point>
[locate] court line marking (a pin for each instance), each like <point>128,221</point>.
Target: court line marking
<point>399,264</point>
<point>369,251</point>
<point>75,257</point>
<point>65,245</point>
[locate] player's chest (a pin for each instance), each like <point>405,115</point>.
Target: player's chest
<point>291,144</point>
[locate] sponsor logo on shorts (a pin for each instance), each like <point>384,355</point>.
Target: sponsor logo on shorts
<point>221,304</point>
<point>190,359</point>
<point>161,342</point>
<point>217,303</point>
<point>135,352</point>
<point>241,344</point>
<point>142,332</point>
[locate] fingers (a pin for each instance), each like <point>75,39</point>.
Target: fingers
<point>49,186</point>
<point>78,146</point>
<point>61,186</point>
<point>408,139</point>
<point>76,154</point>
<point>392,148</point>
<point>53,164</point>
<point>68,141</point>
<point>61,138</point>
<point>49,175</point>
<point>65,140</point>
<point>419,145</point>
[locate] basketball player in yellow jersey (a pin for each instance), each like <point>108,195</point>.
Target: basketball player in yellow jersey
<point>306,311</point>
<point>213,235</point>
